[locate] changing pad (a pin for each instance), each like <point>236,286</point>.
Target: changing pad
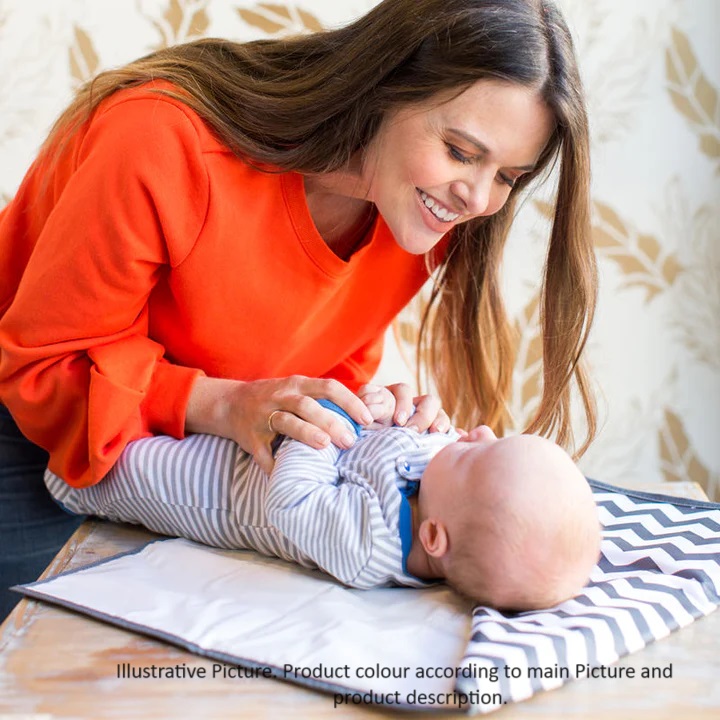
<point>659,570</point>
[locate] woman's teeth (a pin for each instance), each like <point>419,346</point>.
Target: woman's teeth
<point>440,212</point>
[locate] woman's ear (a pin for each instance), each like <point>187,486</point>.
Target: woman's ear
<point>434,538</point>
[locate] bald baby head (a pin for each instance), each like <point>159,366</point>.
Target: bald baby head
<point>521,523</point>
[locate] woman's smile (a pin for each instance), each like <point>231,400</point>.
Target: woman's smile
<point>437,209</point>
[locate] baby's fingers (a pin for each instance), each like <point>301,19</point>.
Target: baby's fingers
<point>379,401</point>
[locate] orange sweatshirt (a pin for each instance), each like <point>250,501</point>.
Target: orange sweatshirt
<point>146,254</point>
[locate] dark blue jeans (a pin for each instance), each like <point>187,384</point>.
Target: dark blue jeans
<point>33,527</point>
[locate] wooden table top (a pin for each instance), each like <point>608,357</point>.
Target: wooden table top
<point>58,664</point>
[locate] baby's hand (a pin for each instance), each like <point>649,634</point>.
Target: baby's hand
<point>380,402</point>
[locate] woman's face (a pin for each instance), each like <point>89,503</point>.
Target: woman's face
<point>438,164</point>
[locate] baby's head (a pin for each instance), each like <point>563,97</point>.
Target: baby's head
<point>508,522</point>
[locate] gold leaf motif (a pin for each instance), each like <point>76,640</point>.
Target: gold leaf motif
<point>603,239</point>
<point>527,374</point>
<point>310,21</point>
<point>280,10</point>
<point>545,209</point>
<point>684,105</point>
<point>708,96</point>
<point>676,432</point>
<point>174,16</point>
<point>630,264</point>
<point>407,333</point>
<point>611,218</point>
<point>260,21</point>
<point>531,390</point>
<point>684,53</point>
<point>534,352</point>
<point>696,297</point>
<point>406,329</point>
<point>182,21</point>
<point>692,94</point>
<point>671,70</point>
<point>697,472</point>
<point>199,23</point>
<point>671,269</point>
<point>649,246</point>
<point>188,20</point>
<point>678,460</point>
<point>710,145</point>
<point>275,19</point>
<point>83,58</point>
<point>639,256</point>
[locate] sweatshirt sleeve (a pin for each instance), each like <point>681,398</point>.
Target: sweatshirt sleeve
<point>78,371</point>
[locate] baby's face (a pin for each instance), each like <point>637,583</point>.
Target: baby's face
<point>447,475</point>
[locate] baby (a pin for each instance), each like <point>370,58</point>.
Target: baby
<point>508,522</point>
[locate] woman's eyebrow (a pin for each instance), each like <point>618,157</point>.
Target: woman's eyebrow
<point>484,149</point>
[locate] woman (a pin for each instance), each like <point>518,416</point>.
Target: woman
<point>218,234</point>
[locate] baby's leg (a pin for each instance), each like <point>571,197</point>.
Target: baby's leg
<point>181,488</point>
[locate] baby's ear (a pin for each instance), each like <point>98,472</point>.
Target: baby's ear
<point>433,537</point>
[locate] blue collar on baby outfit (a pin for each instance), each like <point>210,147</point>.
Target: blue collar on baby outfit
<point>409,469</point>
<point>405,521</point>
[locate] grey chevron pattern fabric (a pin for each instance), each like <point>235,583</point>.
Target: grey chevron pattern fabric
<point>659,570</point>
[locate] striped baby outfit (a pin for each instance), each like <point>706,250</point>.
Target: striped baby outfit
<point>342,511</point>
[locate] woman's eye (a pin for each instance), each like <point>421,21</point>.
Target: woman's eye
<point>456,154</point>
<point>510,182</point>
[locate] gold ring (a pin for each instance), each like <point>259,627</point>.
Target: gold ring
<point>269,421</point>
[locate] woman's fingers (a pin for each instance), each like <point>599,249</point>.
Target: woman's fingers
<point>285,422</point>
<point>428,413</point>
<point>295,412</point>
<point>441,423</point>
<point>340,395</point>
<point>252,413</point>
<point>315,426</point>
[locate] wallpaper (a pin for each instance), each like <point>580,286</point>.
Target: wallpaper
<point>652,74</point>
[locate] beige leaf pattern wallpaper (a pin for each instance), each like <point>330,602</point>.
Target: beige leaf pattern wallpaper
<point>274,19</point>
<point>640,257</point>
<point>83,58</point>
<point>652,74</point>
<point>527,378</point>
<point>181,21</point>
<point>693,94</point>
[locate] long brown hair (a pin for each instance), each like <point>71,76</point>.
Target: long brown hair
<point>310,103</point>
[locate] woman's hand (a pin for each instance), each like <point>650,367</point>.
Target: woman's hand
<point>252,413</point>
<point>396,404</point>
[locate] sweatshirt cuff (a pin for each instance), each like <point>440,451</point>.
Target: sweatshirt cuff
<point>165,404</point>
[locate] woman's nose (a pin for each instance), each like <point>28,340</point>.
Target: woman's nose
<point>474,194</point>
